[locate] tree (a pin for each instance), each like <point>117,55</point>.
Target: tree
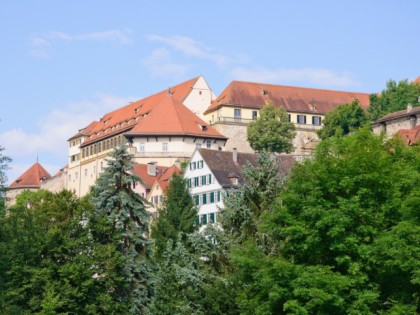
<point>176,216</point>
<point>243,208</point>
<point>345,233</point>
<point>395,97</point>
<point>46,266</point>
<point>272,131</point>
<point>119,229</point>
<point>4,161</point>
<point>344,119</point>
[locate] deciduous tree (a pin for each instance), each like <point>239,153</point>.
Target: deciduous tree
<point>272,131</point>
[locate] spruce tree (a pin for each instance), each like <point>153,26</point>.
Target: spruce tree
<point>176,216</point>
<point>120,226</point>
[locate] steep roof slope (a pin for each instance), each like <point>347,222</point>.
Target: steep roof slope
<point>223,166</point>
<point>293,99</point>
<point>141,171</point>
<point>399,114</point>
<point>164,180</point>
<point>171,117</point>
<point>31,178</point>
<point>417,80</point>
<point>126,117</point>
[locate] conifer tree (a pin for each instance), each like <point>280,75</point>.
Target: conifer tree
<point>176,216</point>
<point>4,160</point>
<point>120,226</point>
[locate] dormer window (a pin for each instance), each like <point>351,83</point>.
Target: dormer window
<point>264,92</point>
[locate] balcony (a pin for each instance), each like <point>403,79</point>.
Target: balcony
<point>244,122</point>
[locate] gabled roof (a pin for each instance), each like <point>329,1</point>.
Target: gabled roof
<point>125,118</point>
<point>31,178</point>
<point>171,117</point>
<point>293,99</point>
<point>223,167</point>
<point>164,180</point>
<point>399,114</point>
<point>141,171</point>
<point>410,136</point>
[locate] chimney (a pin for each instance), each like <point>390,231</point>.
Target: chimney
<point>409,107</point>
<point>151,168</point>
<point>235,155</point>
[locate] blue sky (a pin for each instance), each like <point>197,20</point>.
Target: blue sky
<point>66,63</point>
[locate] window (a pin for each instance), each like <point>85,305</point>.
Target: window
<point>316,120</point>
<point>237,113</point>
<point>196,182</point>
<point>200,164</point>
<point>196,200</point>
<point>198,145</point>
<point>218,196</point>
<point>212,197</point>
<point>194,165</point>
<point>141,146</point>
<point>209,179</point>
<point>164,146</point>
<point>254,114</point>
<point>289,117</point>
<point>301,119</point>
<point>204,219</point>
<point>208,144</point>
<point>94,169</point>
<point>203,180</point>
<point>76,176</point>
<point>212,217</point>
<point>189,183</point>
<point>86,172</point>
<point>197,220</point>
<point>204,199</point>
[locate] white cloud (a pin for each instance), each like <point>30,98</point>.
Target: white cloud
<point>50,140</point>
<point>160,64</point>
<point>39,43</point>
<point>316,76</point>
<point>191,48</point>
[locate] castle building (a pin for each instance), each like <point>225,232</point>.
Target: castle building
<point>162,128</point>
<point>240,103</point>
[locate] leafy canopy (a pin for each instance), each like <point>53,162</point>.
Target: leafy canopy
<point>272,131</point>
<point>395,97</point>
<point>344,119</point>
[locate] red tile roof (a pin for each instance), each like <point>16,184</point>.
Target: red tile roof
<point>31,178</point>
<point>417,80</point>
<point>164,180</point>
<point>125,118</point>
<point>399,114</point>
<point>293,99</point>
<point>171,117</point>
<point>410,136</point>
<point>141,171</point>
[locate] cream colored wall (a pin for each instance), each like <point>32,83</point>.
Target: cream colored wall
<point>200,97</point>
<point>155,191</point>
<point>55,184</point>
<point>11,195</point>
<point>246,114</point>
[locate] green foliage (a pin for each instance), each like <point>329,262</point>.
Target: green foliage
<point>4,165</point>
<point>272,131</point>
<point>347,238</point>
<point>119,229</point>
<point>243,208</point>
<point>46,264</point>
<point>177,215</point>
<point>344,119</point>
<point>395,97</point>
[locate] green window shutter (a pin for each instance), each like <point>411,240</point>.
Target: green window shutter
<point>203,179</point>
<point>212,217</point>
<point>197,200</point>
<point>218,196</point>
<point>204,219</point>
<point>204,199</point>
<point>212,197</point>
<point>209,178</point>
